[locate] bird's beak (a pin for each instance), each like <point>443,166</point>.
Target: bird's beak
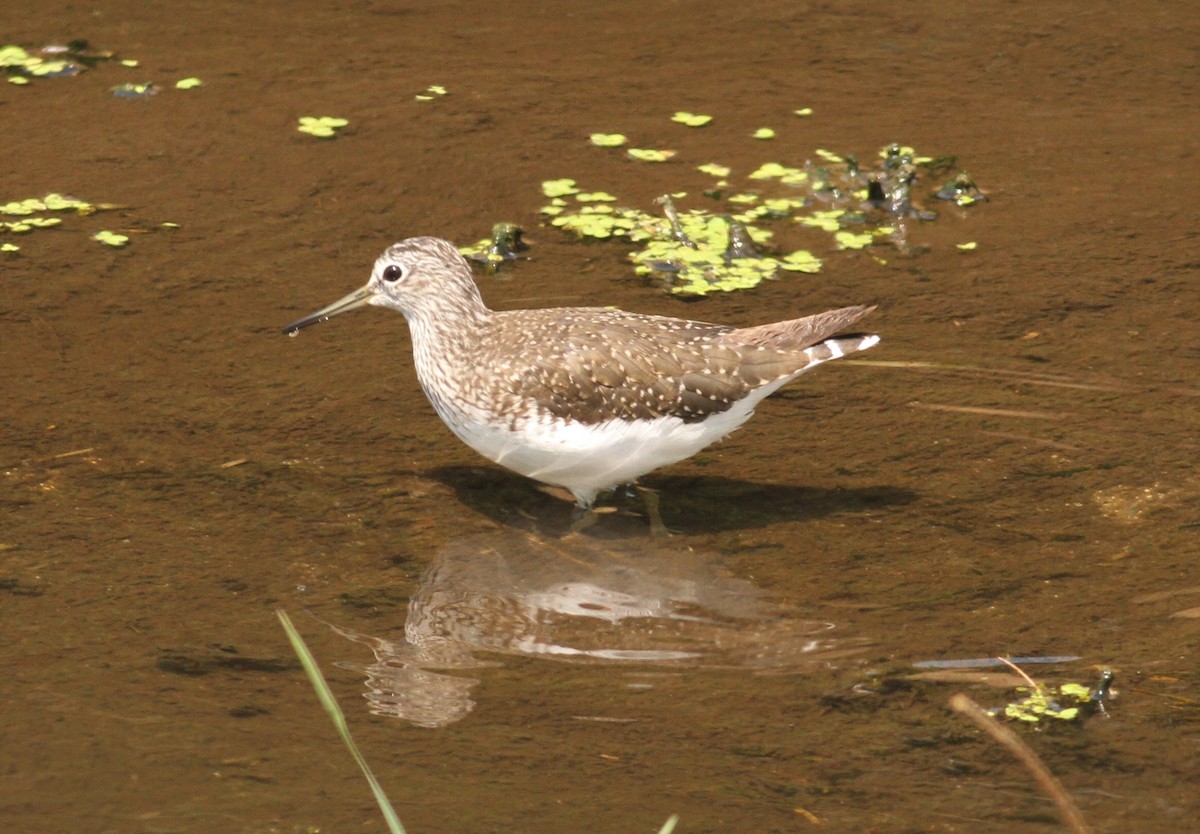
<point>359,298</point>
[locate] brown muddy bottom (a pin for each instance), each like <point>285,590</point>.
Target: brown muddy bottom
<point>1012,472</point>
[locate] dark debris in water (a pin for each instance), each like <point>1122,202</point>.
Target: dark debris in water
<point>18,588</point>
<point>219,658</point>
<point>143,90</point>
<point>505,244</point>
<point>961,190</point>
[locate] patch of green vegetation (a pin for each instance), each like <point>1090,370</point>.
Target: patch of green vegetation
<point>691,119</point>
<point>51,202</point>
<point>20,227</point>
<point>47,212</point>
<point>725,246</point>
<point>1068,702</point>
<point>323,127</point>
<point>31,214</point>
<point>20,66</point>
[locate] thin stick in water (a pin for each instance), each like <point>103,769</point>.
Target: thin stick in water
<point>1067,809</point>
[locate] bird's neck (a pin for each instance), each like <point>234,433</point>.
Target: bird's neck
<point>445,318</point>
<point>446,340</point>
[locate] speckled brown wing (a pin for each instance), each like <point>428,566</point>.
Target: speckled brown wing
<point>593,364</point>
<point>606,364</point>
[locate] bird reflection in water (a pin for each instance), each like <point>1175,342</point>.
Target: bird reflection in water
<point>586,601</point>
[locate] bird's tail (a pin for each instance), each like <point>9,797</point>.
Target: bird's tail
<point>800,333</point>
<point>839,346</point>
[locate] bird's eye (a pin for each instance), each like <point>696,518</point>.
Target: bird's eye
<point>392,273</point>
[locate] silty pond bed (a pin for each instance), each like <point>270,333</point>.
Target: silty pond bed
<point>1011,472</point>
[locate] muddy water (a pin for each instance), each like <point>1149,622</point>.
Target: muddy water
<point>1013,472</point>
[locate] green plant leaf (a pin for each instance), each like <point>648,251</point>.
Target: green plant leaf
<point>852,240</point>
<point>607,140</point>
<point>648,155</point>
<point>691,119</point>
<point>321,126</point>
<point>330,705</point>
<point>111,238</point>
<point>559,188</point>
<point>773,170</point>
<point>13,56</point>
<point>800,261</point>
<point>57,202</point>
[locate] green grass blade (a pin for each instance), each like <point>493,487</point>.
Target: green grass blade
<point>339,721</point>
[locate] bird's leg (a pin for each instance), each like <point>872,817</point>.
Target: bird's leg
<point>581,519</point>
<point>650,500</point>
<point>584,516</point>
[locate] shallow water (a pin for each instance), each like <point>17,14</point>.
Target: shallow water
<point>1011,472</point>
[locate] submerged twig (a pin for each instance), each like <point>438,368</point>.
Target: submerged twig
<point>1067,809</point>
<point>73,453</point>
<point>990,412</point>
<point>1021,672</point>
<point>1024,377</point>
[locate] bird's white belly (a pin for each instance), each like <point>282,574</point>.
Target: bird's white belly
<point>588,458</point>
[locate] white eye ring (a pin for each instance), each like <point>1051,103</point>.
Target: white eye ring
<point>392,273</point>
